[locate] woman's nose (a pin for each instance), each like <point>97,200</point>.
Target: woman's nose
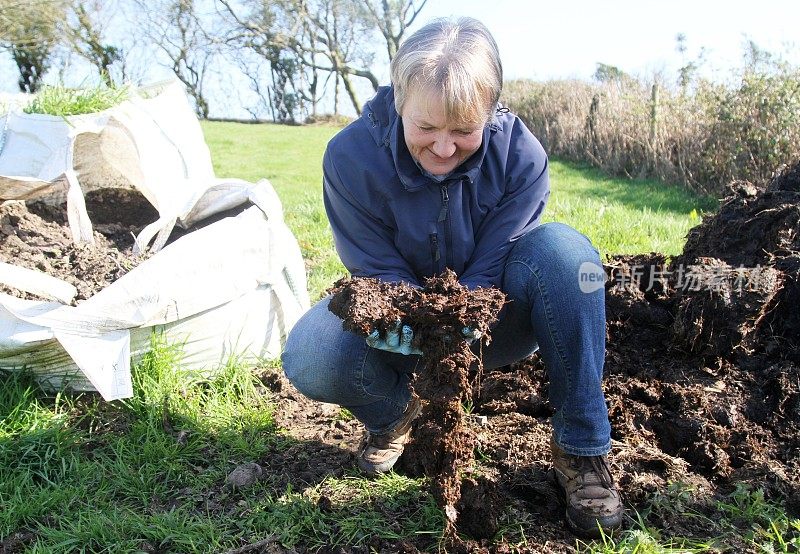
<point>443,147</point>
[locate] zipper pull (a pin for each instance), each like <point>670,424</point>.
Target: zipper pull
<point>434,240</point>
<point>445,201</point>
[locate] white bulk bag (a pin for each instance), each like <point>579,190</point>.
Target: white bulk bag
<point>232,288</point>
<point>156,125</point>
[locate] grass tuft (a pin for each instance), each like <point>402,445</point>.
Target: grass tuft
<point>62,101</point>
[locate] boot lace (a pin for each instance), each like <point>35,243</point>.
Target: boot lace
<point>595,471</point>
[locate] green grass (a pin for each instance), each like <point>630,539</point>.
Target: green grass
<point>93,476</point>
<point>62,101</point>
<point>622,216</point>
<point>148,473</point>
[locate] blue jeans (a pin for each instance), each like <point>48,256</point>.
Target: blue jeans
<point>554,307</point>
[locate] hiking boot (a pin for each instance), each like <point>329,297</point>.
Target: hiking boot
<point>381,452</point>
<point>592,499</point>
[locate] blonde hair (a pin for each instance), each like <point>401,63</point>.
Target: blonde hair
<point>457,58</point>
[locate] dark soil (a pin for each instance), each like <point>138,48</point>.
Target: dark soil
<point>443,445</point>
<point>36,236</point>
<point>702,382</point>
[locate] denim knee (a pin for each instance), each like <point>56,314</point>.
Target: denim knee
<point>319,358</point>
<point>556,248</point>
<point>545,275</point>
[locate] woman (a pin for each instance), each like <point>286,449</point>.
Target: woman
<point>436,175</point>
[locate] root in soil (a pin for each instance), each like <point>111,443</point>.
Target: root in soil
<point>443,445</point>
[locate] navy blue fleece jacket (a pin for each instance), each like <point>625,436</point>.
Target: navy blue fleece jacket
<point>391,222</point>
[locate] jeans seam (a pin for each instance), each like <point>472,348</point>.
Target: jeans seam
<point>559,348</point>
<point>600,451</point>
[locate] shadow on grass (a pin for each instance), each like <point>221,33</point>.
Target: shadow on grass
<point>639,194</point>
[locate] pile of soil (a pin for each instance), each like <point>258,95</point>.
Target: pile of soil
<point>36,235</point>
<point>702,382</point>
<point>703,366</point>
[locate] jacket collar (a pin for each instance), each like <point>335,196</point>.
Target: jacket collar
<point>386,127</point>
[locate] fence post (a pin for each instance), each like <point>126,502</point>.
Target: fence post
<point>654,123</point>
<point>591,123</point>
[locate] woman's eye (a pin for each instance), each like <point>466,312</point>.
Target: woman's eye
<point>426,129</point>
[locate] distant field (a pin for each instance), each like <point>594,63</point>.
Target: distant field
<point>620,216</point>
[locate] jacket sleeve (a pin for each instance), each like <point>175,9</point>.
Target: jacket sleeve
<point>364,243</point>
<point>518,211</point>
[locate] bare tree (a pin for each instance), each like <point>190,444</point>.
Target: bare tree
<point>175,27</point>
<point>340,28</point>
<point>320,35</point>
<point>392,18</point>
<point>85,34</point>
<point>264,29</point>
<point>28,30</point>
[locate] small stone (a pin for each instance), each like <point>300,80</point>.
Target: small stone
<point>246,475</point>
<point>183,438</point>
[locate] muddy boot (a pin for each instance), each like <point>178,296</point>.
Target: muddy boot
<point>381,452</point>
<point>591,497</point>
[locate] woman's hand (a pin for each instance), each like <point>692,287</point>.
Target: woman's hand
<point>398,339</point>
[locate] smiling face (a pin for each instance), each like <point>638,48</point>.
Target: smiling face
<point>437,144</point>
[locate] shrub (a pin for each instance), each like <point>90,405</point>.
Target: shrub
<point>703,139</point>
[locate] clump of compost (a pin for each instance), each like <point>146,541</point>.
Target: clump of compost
<point>443,443</point>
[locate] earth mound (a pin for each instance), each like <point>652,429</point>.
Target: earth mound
<point>702,380</point>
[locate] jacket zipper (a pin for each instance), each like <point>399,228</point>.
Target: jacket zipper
<point>448,240</point>
<point>435,255</point>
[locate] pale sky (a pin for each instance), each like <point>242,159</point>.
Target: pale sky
<point>567,38</point>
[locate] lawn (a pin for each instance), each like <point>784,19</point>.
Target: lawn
<point>148,474</point>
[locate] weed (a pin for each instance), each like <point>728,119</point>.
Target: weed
<point>765,524</point>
